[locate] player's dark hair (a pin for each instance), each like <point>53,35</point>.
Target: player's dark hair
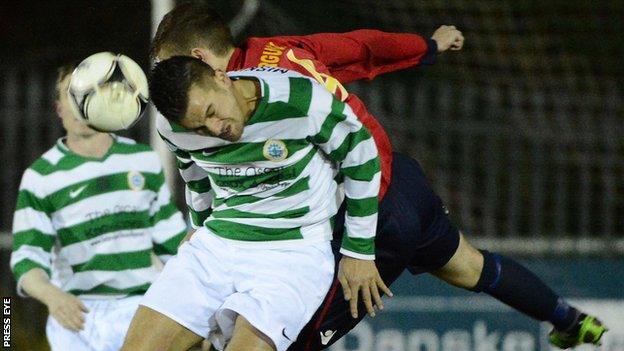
<point>171,81</point>
<point>189,25</point>
<point>62,72</point>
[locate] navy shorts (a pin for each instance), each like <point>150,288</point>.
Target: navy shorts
<point>414,232</point>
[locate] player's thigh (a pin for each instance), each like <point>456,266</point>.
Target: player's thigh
<point>413,222</point>
<point>151,330</point>
<point>464,268</point>
<point>248,338</point>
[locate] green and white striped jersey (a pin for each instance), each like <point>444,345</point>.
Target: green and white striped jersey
<point>94,224</point>
<point>276,186</point>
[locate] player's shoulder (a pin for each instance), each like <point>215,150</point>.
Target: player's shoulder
<point>275,80</point>
<point>266,73</point>
<point>48,161</point>
<point>128,145</point>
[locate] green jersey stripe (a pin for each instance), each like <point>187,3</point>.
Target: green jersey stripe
<point>33,237</point>
<point>246,152</point>
<point>294,189</point>
<point>232,213</point>
<point>182,165</point>
<point>25,265</point>
<point>349,143</point>
<point>276,111</point>
<point>199,186</point>
<point>71,161</point>
<point>335,116</point>
<point>363,172</point>
<point>27,199</point>
<point>237,231</point>
<point>165,212</point>
<point>107,290</point>
<point>101,185</point>
<point>104,224</point>
<point>198,217</point>
<point>116,262</point>
<point>362,207</point>
<point>300,95</point>
<point>170,246</point>
<point>364,246</point>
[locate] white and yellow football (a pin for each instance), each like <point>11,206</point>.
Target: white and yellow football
<point>108,91</point>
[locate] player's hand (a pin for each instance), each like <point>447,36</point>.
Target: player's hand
<point>357,275</point>
<point>448,37</point>
<point>67,309</point>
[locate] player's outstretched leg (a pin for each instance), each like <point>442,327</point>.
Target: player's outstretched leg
<point>513,284</point>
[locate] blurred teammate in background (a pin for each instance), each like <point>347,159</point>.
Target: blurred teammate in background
<point>414,231</point>
<point>91,213</point>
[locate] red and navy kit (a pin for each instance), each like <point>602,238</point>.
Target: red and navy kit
<point>335,59</point>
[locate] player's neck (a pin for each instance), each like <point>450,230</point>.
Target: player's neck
<point>248,94</point>
<point>95,145</point>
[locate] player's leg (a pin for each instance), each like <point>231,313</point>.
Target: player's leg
<point>246,337</point>
<point>442,250</point>
<point>513,284</point>
<point>151,330</point>
<point>177,310</point>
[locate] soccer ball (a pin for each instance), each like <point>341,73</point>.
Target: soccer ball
<point>108,91</point>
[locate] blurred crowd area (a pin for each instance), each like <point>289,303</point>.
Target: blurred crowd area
<point>520,133</point>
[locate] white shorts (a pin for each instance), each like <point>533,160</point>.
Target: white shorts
<point>211,281</point>
<point>105,326</point>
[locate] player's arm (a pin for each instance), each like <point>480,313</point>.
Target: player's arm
<point>366,53</point>
<point>168,226</point>
<point>337,131</point>
<point>197,189</point>
<point>31,259</point>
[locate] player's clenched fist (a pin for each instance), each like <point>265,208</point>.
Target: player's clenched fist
<point>357,275</point>
<point>67,309</point>
<point>448,37</point>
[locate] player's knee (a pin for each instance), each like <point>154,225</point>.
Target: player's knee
<point>464,268</point>
<point>150,330</point>
<point>246,337</point>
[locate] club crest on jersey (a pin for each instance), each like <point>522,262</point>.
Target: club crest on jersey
<point>274,150</point>
<point>136,181</point>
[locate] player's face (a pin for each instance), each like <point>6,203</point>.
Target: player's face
<point>215,111</point>
<point>71,124</point>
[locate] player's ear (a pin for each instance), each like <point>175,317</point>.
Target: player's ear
<point>222,78</point>
<point>202,54</point>
<point>57,107</point>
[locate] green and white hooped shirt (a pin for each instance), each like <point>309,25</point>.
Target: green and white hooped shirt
<point>277,185</point>
<point>93,224</point>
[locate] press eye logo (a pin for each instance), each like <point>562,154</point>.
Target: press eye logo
<point>275,150</point>
<point>136,181</point>
<point>6,322</point>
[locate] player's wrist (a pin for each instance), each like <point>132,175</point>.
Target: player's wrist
<point>357,255</point>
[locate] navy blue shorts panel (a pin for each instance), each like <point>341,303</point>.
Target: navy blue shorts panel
<point>413,232</point>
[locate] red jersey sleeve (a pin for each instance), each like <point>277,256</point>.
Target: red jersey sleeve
<point>365,53</point>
